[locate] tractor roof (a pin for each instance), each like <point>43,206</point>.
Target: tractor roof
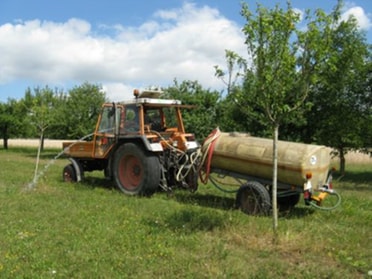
<point>150,97</point>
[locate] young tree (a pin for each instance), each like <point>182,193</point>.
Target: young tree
<point>40,107</point>
<point>282,69</point>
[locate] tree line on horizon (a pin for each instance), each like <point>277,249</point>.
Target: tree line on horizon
<point>52,113</point>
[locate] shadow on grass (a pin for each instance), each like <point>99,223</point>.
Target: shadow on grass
<point>296,212</point>
<point>226,203</point>
<point>206,200</point>
<point>356,180</point>
<point>191,220</point>
<point>90,183</point>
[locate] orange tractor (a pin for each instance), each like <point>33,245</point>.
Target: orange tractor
<point>141,144</point>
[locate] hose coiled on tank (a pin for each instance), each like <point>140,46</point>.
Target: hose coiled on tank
<point>207,151</point>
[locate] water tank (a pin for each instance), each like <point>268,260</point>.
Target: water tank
<point>253,156</point>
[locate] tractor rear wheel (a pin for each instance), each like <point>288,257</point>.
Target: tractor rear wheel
<point>253,199</point>
<point>135,171</point>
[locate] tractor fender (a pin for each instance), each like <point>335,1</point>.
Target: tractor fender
<point>142,140</point>
<point>78,169</point>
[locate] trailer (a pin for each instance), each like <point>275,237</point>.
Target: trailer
<point>244,161</point>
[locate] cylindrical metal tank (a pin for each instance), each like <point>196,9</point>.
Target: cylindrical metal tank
<point>253,156</point>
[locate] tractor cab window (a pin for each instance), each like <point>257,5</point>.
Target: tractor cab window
<point>105,136</point>
<point>107,124</point>
<point>131,123</point>
<point>170,118</point>
<point>161,119</point>
<point>153,118</point>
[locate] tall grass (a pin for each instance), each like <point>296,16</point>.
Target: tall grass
<point>91,230</point>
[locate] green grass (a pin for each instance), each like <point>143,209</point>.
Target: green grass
<point>91,230</point>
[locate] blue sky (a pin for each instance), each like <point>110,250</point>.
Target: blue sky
<point>127,44</point>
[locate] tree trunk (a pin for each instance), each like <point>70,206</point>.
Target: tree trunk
<point>342,160</point>
<point>5,137</point>
<point>274,188</point>
<point>5,142</point>
<point>42,141</point>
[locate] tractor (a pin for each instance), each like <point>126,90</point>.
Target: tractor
<point>141,144</point>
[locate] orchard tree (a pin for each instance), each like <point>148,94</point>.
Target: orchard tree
<point>342,95</point>
<point>367,101</point>
<point>41,106</point>
<point>282,69</point>
<point>58,128</point>
<point>82,108</point>
<point>6,121</point>
<point>57,114</point>
<point>10,120</point>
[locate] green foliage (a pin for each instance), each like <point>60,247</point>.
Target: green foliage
<point>202,119</point>
<point>40,106</point>
<point>52,113</point>
<point>236,68</point>
<point>90,229</point>
<point>234,115</point>
<point>9,122</point>
<point>81,110</point>
<point>341,96</point>
<point>13,120</point>
<point>279,77</point>
<point>314,82</point>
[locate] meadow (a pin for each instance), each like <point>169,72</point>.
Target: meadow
<point>91,230</point>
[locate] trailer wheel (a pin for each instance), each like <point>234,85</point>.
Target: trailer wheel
<point>69,174</point>
<point>135,171</point>
<point>253,199</point>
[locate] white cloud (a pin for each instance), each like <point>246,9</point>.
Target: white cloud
<point>183,43</point>
<point>300,13</point>
<point>118,91</point>
<point>363,19</point>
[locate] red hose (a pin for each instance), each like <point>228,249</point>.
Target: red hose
<point>206,166</point>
